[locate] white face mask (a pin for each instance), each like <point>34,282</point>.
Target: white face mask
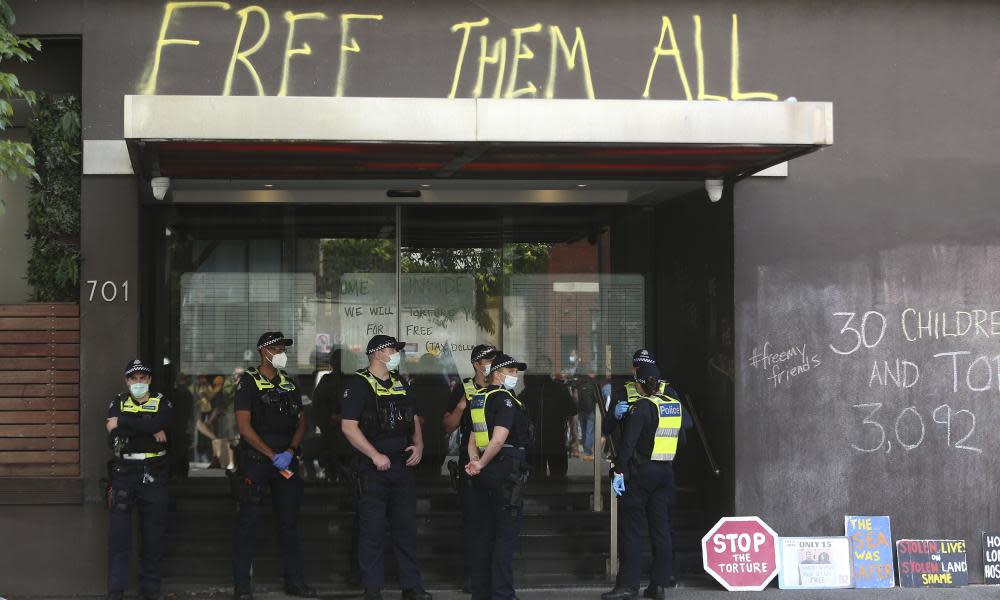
<point>393,362</point>
<point>509,381</point>
<point>486,370</point>
<point>279,360</point>
<point>138,390</point>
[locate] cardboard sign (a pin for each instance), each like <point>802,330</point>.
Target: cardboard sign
<point>932,563</point>
<point>991,557</point>
<point>740,553</point>
<point>815,563</point>
<point>871,551</point>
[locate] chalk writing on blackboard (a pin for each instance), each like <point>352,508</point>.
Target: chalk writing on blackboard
<point>909,428</point>
<point>783,365</point>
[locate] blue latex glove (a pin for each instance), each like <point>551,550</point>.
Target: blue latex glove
<point>618,484</point>
<point>281,461</point>
<point>620,409</point>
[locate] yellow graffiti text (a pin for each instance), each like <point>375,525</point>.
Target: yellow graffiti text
<point>163,41</point>
<point>521,52</point>
<point>673,51</point>
<point>466,29</point>
<point>498,56</point>
<point>734,77</point>
<point>579,45</point>
<point>244,56</point>
<point>348,44</point>
<point>305,50</point>
<point>701,64</point>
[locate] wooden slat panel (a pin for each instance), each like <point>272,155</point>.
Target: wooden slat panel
<point>48,469</point>
<point>11,417</point>
<point>39,443</point>
<point>36,323</point>
<point>40,337</point>
<point>39,377</point>
<point>61,309</point>
<point>40,363</point>
<point>30,431</point>
<point>60,390</point>
<point>40,350</point>
<point>32,457</point>
<point>41,489</point>
<point>39,404</point>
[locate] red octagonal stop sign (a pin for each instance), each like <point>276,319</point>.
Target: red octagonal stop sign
<point>741,553</point>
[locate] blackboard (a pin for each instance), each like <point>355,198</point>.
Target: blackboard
<point>881,374</point>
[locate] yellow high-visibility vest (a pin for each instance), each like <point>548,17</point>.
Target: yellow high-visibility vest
<point>477,405</point>
<point>396,387</point>
<point>632,394</point>
<point>471,389</point>
<point>262,382</point>
<point>668,428</point>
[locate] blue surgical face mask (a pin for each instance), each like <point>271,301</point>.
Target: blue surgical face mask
<point>393,363</point>
<point>509,381</point>
<point>138,390</point>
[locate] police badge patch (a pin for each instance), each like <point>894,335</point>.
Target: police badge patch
<point>509,403</point>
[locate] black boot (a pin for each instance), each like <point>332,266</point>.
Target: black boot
<point>654,591</point>
<point>417,594</point>
<point>621,593</point>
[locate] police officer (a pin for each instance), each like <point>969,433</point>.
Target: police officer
<point>643,481</point>
<point>501,432</point>
<point>380,422</point>
<point>625,395</point>
<point>458,417</point>
<point>137,424</point>
<point>271,423</point>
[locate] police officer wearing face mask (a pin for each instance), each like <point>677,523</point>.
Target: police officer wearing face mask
<point>501,432</point>
<point>626,394</point>
<point>379,421</point>
<point>458,417</point>
<point>137,424</point>
<point>643,480</point>
<point>271,423</point>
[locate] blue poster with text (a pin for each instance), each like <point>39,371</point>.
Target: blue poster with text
<point>871,548</point>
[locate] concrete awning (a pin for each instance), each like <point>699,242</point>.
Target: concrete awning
<point>319,138</point>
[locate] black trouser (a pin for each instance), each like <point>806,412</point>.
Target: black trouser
<point>286,498</point>
<point>648,493</point>
<point>387,494</point>
<point>471,518</point>
<point>495,532</point>
<point>144,486</point>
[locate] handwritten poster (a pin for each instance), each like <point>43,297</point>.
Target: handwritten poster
<point>871,549</point>
<point>991,557</point>
<point>815,563</point>
<point>932,563</point>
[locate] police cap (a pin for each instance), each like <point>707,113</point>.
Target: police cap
<point>270,338</point>
<point>383,341</point>
<point>137,366</point>
<point>483,351</point>
<point>643,357</point>
<point>502,361</point>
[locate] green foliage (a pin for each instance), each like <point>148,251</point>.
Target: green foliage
<point>15,157</point>
<point>54,203</point>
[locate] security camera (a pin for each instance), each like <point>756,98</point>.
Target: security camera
<point>160,187</point>
<point>714,188</point>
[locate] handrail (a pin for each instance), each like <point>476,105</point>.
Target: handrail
<point>701,434</point>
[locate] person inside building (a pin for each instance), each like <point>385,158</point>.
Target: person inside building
<point>457,417</point>
<point>550,405</point>
<point>179,434</point>
<point>338,452</point>
<point>379,421</point>
<point>429,392</point>
<point>137,423</point>
<point>271,424</point>
<point>642,478</point>
<point>501,432</point>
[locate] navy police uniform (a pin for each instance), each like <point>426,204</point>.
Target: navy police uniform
<point>275,407</point>
<point>138,478</point>
<point>471,518</point>
<point>386,417</point>
<point>653,431</point>
<point>498,490</point>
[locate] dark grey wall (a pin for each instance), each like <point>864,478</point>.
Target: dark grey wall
<point>900,212</point>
